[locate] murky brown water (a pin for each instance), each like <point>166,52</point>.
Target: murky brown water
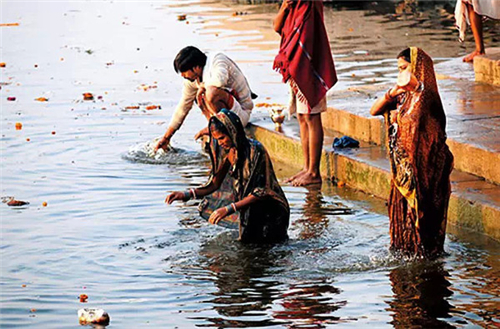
<point>106,232</point>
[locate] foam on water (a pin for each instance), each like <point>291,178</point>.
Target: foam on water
<point>144,153</point>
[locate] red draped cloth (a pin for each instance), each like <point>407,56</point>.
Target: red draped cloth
<point>305,54</point>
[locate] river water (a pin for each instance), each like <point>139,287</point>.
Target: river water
<point>105,230</point>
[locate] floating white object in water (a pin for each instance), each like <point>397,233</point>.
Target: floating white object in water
<point>93,316</point>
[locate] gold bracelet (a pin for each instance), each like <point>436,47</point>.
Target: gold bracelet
<point>388,96</point>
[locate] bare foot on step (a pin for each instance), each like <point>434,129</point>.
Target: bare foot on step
<point>307,179</point>
<point>296,176</point>
<point>470,58</point>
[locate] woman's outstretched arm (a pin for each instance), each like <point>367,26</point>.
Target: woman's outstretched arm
<point>232,208</point>
<point>200,192</point>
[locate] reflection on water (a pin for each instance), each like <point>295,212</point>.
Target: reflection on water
<point>244,279</point>
<point>315,212</point>
<point>308,304</point>
<point>420,296</point>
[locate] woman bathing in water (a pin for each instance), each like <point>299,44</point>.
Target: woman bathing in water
<point>263,207</point>
<point>421,162</point>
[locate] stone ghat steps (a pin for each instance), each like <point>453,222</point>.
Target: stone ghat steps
<point>473,123</point>
<point>474,203</point>
<point>487,68</point>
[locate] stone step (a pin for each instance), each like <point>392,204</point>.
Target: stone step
<point>473,122</point>
<point>487,67</point>
<point>474,203</point>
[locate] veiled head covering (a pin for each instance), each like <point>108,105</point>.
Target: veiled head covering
<point>422,67</point>
<point>236,133</point>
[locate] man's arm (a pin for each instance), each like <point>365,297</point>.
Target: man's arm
<point>180,113</point>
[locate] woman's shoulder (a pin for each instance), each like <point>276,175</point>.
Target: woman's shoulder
<point>257,146</point>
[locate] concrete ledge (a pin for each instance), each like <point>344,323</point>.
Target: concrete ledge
<point>474,204</point>
<point>475,160</point>
<point>469,157</point>
<point>370,130</point>
<point>486,68</point>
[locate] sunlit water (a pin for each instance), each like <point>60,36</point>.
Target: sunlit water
<point>105,230</point>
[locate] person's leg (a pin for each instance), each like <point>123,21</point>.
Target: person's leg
<point>217,99</point>
<point>476,24</point>
<point>315,133</point>
<point>211,102</point>
<point>304,140</point>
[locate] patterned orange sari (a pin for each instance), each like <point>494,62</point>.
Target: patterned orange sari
<point>421,164</point>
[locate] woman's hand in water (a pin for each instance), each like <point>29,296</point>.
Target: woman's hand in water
<point>175,196</point>
<point>217,215</point>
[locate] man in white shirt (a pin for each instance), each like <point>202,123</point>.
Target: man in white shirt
<point>214,83</point>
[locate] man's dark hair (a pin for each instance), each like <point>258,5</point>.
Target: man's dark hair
<point>406,55</point>
<point>188,58</point>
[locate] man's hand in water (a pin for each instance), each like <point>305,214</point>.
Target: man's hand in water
<point>217,215</point>
<point>162,143</point>
<point>201,133</point>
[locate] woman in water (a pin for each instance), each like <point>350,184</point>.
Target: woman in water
<point>263,209</point>
<point>421,162</point>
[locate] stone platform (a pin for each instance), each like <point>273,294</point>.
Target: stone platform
<point>487,67</point>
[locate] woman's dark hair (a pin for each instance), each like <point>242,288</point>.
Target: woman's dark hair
<point>405,54</point>
<point>189,58</point>
<point>216,124</point>
<point>241,143</point>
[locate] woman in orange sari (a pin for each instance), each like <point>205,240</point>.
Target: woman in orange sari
<point>421,162</point>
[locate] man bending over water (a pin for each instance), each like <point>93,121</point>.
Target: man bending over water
<point>214,83</point>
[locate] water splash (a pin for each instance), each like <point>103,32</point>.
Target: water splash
<point>144,153</point>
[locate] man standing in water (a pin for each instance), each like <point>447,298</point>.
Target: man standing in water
<point>214,83</point>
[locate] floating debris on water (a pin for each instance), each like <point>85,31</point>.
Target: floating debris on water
<point>10,201</point>
<point>142,106</point>
<point>88,97</point>
<point>93,316</point>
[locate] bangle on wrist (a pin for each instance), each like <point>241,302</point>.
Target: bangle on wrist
<point>233,205</point>
<point>192,192</point>
<point>229,209</point>
<point>388,95</point>
<point>187,195</point>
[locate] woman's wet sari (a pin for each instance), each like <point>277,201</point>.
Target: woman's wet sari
<point>421,164</point>
<point>252,174</point>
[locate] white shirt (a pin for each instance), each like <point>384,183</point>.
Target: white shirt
<point>221,72</point>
